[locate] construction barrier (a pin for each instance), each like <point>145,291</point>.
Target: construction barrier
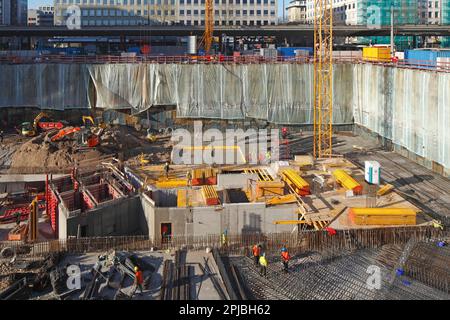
<point>239,244</point>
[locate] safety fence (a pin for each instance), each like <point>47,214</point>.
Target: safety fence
<point>236,244</point>
<point>217,59</point>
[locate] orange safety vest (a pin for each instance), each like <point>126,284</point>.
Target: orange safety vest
<point>139,279</point>
<point>255,251</point>
<point>285,256</point>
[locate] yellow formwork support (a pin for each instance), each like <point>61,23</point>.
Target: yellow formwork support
<point>383,216</point>
<point>171,183</point>
<point>210,194</point>
<point>385,189</point>
<point>289,198</point>
<point>290,222</point>
<point>292,178</point>
<point>347,181</point>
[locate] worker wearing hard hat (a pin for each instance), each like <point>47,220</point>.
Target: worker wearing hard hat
<point>263,265</point>
<point>285,257</point>
<point>166,169</point>
<point>256,250</point>
<point>138,279</point>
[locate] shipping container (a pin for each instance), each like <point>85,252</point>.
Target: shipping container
<point>425,58</point>
<point>268,53</point>
<point>378,54</point>
<point>290,51</point>
<point>443,63</point>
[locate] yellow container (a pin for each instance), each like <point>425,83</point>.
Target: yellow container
<point>382,54</point>
<point>382,216</point>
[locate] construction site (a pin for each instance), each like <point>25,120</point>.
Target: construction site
<point>181,168</point>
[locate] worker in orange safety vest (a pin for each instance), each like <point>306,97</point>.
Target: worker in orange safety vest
<point>285,257</point>
<point>138,279</point>
<point>256,252</point>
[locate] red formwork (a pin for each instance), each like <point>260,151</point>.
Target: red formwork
<point>88,204</point>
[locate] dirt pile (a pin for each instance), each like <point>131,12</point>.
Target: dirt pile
<point>36,156</point>
<point>41,155</point>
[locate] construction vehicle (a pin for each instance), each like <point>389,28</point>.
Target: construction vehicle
<point>88,122</point>
<point>27,129</point>
<point>64,132</point>
<point>31,130</point>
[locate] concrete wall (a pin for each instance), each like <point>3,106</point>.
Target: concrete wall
<point>234,180</point>
<point>235,218</point>
<point>119,217</point>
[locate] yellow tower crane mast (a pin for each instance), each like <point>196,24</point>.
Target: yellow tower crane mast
<point>207,38</point>
<point>323,78</point>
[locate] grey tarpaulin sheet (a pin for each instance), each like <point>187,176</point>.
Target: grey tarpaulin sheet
<point>279,93</point>
<point>409,107</point>
<point>49,86</point>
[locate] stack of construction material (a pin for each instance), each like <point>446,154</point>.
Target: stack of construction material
<point>269,189</point>
<point>204,176</point>
<point>295,182</point>
<point>210,195</point>
<point>182,199</point>
<point>170,183</point>
<point>382,216</point>
<point>344,179</point>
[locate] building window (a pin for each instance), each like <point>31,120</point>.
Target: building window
<point>181,12</point>
<point>195,12</point>
<point>188,12</point>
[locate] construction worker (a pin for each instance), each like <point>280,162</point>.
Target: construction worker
<point>256,252</point>
<point>1,136</point>
<point>285,257</point>
<point>223,238</point>
<point>166,169</point>
<point>138,279</point>
<point>18,215</point>
<point>263,265</point>
<point>268,156</point>
<point>189,177</point>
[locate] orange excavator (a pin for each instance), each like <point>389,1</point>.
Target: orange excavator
<point>64,132</point>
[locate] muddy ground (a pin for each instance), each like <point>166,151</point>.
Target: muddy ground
<point>22,155</point>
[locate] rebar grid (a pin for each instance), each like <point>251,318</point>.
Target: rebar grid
<point>324,276</point>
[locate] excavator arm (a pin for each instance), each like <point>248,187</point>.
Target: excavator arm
<point>64,132</point>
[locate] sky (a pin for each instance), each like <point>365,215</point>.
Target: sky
<point>33,4</point>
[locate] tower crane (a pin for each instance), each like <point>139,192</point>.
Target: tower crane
<point>207,37</point>
<point>323,78</point>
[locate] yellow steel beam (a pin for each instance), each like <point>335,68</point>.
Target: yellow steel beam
<point>290,222</point>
